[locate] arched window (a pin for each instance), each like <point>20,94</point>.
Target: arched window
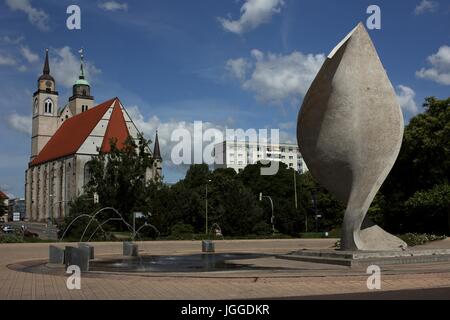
<point>48,106</point>
<point>84,108</point>
<point>87,173</point>
<point>36,106</point>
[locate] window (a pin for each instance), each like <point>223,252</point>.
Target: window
<point>48,106</point>
<point>84,108</point>
<point>291,149</point>
<point>87,173</point>
<point>291,157</point>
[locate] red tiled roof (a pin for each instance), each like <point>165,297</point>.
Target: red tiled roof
<point>3,196</point>
<point>72,133</point>
<point>117,129</point>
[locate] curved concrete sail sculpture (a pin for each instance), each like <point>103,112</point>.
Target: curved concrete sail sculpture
<point>350,130</point>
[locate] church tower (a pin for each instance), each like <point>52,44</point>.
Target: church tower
<point>45,110</point>
<point>81,99</point>
<point>157,159</point>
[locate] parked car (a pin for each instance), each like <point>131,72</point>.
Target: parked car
<point>8,229</point>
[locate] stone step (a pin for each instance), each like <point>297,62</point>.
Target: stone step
<point>317,259</point>
<point>364,262</point>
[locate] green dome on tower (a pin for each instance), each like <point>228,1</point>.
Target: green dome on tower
<point>83,82</point>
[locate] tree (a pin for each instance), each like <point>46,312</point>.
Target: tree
<point>280,187</point>
<point>421,174</point>
<point>119,179</point>
<point>233,206</point>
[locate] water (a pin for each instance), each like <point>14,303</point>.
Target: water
<point>191,263</point>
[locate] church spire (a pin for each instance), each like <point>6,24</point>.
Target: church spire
<point>81,64</point>
<point>81,78</point>
<point>46,69</point>
<point>156,150</point>
<point>81,99</point>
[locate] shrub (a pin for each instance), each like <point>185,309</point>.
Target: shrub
<point>417,239</point>
<point>10,238</point>
<point>181,231</point>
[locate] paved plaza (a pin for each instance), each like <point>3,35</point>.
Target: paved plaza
<point>281,279</point>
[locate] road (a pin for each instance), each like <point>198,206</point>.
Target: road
<point>41,229</point>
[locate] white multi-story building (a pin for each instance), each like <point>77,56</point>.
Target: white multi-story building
<point>237,155</point>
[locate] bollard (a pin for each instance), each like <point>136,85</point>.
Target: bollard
<point>208,246</point>
<point>89,249</point>
<point>78,257</point>
<point>130,249</point>
<point>55,255</point>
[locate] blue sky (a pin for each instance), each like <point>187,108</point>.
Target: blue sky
<point>238,64</point>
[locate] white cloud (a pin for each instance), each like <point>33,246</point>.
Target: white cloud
<point>28,55</point>
<point>440,67</point>
<point>65,67</point>
<point>405,97</point>
<point>7,61</point>
<point>253,14</point>
<point>274,78</point>
<point>165,129</point>
<point>37,17</point>
<point>20,123</point>
<point>426,6</point>
<point>238,67</point>
<point>113,6</point>
<point>9,40</point>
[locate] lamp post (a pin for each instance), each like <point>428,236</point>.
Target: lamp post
<point>314,202</point>
<point>136,215</point>
<point>206,207</point>
<point>272,219</point>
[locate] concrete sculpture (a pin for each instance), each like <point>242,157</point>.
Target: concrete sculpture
<point>350,130</point>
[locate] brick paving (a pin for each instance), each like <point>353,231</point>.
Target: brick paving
<point>305,279</point>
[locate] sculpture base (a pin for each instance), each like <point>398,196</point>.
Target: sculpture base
<point>357,259</point>
<point>374,238</point>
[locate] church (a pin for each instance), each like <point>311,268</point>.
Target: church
<point>64,140</point>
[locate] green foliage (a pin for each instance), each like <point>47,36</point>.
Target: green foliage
<point>416,239</point>
<point>288,219</point>
<point>415,197</point>
<point>11,238</point>
<point>181,231</point>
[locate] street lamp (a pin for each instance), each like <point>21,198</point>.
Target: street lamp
<point>206,206</point>
<point>272,219</point>
<point>316,213</point>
